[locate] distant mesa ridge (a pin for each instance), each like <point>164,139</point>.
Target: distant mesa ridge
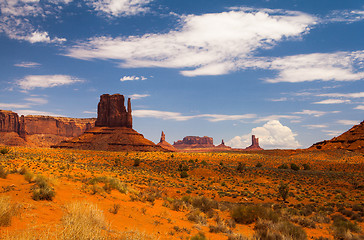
<point>352,140</point>
<point>194,142</point>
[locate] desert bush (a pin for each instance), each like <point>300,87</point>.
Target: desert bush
<point>204,204</point>
<point>342,227</point>
<point>4,150</point>
<point>197,217</point>
<point>283,191</point>
<point>6,211</point>
<point>249,214</point>
<point>83,221</point>
<point>304,222</point>
<point>237,236</point>
<point>199,236</point>
<point>267,230</point>
<point>283,166</point>
<point>258,165</point>
<point>306,166</point>
<point>136,162</point>
<point>29,176</point>
<point>134,235</point>
<point>3,172</point>
<point>240,167</point>
<point>183,174</point>
<point>114,183</point>
<point>115,208</point>
<point>42,190</point>
<point>220,227</point>
<point>295,167</point>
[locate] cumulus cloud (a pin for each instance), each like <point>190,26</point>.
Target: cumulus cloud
<point>138,96</point>
<point>27,64</point>
<point>208,44</point>
<point>46,81</point>
<point>120,7</point>
<point>332,101</point>
<point>165,115</point>
<point>271,135</point>
<point>132,78</point>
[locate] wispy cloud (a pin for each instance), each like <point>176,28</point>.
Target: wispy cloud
<point>37,100</point>
<point>35,112</point>
<point>345,15</point>
<point>332,101</point>
<point>27,64</point>
<point>346,95</point>
<point>208,44</point>
<point>90,112</point>
<point>10,106</point>
<point>138,96</point>
<point>315,126</point>
<point>314,113</point>
<point>348,122</point>
<point>275,117</point>
<point>332,132</point>
<point>359,107</point>
<point>31,82</point>
<point>132,78</point>
<point>120,7</point>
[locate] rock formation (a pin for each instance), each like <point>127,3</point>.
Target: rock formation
<point>194,142</point>
<point>164,144</point>
<point>9,121</point>
<point>113,130</point>
<point>352,140</point>
<point>255,144</point>
<point>223,146</point>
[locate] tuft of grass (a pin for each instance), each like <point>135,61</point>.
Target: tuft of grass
<point>83,221</point>
<point>115,208</point>
<point>6,211</point>
<point>197,217</point>
<point>265,229</point>
<point>283,166</point>
<point>42,189</point>
<point>199,236</point>
<point>249,214</point>
<point>295,167</point>
<point>3,172</point>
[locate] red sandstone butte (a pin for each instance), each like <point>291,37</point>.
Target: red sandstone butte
<point>194,142</point>
<point>223,146</point>
<point>113,130</point>
<point>255,144</point>
<point>352,140</point>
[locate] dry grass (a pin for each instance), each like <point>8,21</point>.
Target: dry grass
<point>6,211</point>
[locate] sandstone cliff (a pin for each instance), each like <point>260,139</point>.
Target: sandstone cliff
<point>9,121</point>
<point>353,140</point>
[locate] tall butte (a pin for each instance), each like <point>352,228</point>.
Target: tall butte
<point>113,129</point>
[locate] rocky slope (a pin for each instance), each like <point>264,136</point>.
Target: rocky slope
<point>353,140</point>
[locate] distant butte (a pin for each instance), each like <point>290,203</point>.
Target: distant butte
<point>194,142</point>
<point>164,144</point>
<point>113,130</point>
<point>223,146</point>
<point>352,140</point>
<point>255,144</point>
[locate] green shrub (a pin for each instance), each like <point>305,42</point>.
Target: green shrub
<point>295,167</point>
<point>258,165</point>
<point>204,204</point>
<point>240,167</point>
<point>249,214</point>
<point>283,191</point>
<point>267,230</point>
<point>199,236</point>
<point>184,174</point>
<point>197,217</point>
<point>136,162</point>
<point>42,190</point>
<point>4,150</point>
<point>341,226</point>
<point>306,166</point>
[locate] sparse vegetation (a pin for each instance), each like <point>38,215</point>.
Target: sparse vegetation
<point>42,189</point>
<point>283,191</point>
<point>6,211</point>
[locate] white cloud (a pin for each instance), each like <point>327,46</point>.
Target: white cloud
<point>275,117</point>
<point>17,16</point>
<point>208,44</point>
<point>332,101</point>
<point>37,101</point>
<point>27,64</point>
<point>359,107</point>
<point>180,117</point>
<point>282,99</point>
<point>138,96</point>
<point>120,7</point>
<point>89,112</point>
<point>333,132</point>
<point>339,66</point>
<point>314,112</point>
<point>348,122</point>
<point>9,106</point>
<point>132,78</point>
<point>271,135</point>
<point>35,112</point>
<point>346,95</point>
<point>344,16</point>
<point>314,126</point>
<point>46,81</point>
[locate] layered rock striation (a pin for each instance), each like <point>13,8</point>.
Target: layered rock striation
<point>352,140</point>
<point>113,130</point>
<point>194,142</point>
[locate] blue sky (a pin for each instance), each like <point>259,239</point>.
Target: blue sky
<point>290,72</point>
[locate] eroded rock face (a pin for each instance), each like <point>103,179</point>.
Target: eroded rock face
<point>353,140</point>
<point>111,112</point>
<point>255,144</point>
<point>9,121</point>
<point>164,144</point>
<point>195,142</point>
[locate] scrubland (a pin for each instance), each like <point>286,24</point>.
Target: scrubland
<point>277,194</point>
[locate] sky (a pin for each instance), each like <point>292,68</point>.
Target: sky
<point>289,71</point>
